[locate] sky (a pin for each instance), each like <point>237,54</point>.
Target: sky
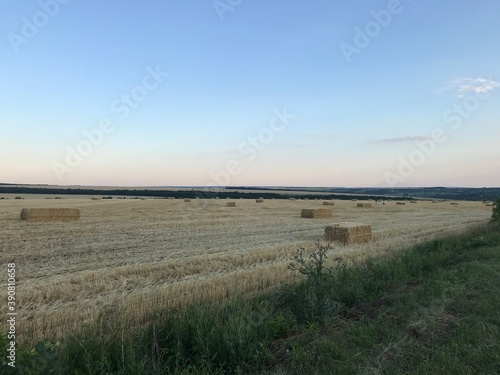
<point>239,92</point>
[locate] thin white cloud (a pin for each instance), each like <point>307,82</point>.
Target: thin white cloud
<point>403,139</point>
<point>464,86</point>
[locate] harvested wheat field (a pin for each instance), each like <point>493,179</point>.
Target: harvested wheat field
<point>139,257</point>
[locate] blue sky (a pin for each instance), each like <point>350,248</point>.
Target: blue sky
<point>229,92</point>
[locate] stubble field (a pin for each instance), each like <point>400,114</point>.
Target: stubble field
<point>130,259</point>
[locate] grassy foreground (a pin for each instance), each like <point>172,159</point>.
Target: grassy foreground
<point>432,309</point>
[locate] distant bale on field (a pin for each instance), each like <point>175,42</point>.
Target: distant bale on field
<point>435,202</point>
<point>400,203</point>
<point>489,205</point>
<point>96,198</point>
<point>50,214</point>
<point>454,203</point>
<point>328,203</point>
<point>365,205</point>
<point>348,233</point>
<point>413,202</point>
<point>260,200</point>
<point>231,204</point>
<point>354,200</point>
<point>187,200</point>
<point>293,199</point>
<point>316,213</point>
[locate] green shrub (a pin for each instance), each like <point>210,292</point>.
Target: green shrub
<point>495,216</point>
<point>43,359</point>
<point>319,290</point>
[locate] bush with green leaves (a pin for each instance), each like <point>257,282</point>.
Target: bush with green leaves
<point>44,358</point>
<point>320,282</point>
<point>495,216</point>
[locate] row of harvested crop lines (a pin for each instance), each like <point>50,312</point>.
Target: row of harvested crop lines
<point>73,214</point>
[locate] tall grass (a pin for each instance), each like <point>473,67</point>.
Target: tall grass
<point>416,310</point>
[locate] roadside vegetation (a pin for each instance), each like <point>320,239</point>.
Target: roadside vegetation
<point>425,310</point>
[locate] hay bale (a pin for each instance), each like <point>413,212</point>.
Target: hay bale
<point>50,214</point>
<point>434,201</point>
<point>293,199</point>
<point>317,213</point>
<point>400,203</point>
<point>328,203</point>
<point>96,198</point>
<point>348,233</point>
<point>260,200</point>
<point>413,201</point>
<point>354,200</point>
<point>454,203</point>
<point>489,205</point>
<point>365,205</point>
<point>187,200</point>
<point>231,204</point>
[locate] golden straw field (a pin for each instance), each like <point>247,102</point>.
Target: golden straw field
<point>133,257</point>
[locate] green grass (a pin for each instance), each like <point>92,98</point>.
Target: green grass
<point>432,309</point>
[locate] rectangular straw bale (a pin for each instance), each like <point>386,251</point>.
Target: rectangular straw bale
<point>413,201</point>
<point>50,214</point>
<point>348,233</point>
<point>231,204</point>
<point>187,200</point>
<point>96,198</point>
<point>293,199</point>
<point>400,203</point>
<point>454,203</point>
<point>434,201</point>
<point>317,213</point>
<point>489,205</point>
<point>366,205</point>
<point>259,200</point>
<point>328,204</point>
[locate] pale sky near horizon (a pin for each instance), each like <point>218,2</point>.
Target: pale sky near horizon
<point>240,92</point>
